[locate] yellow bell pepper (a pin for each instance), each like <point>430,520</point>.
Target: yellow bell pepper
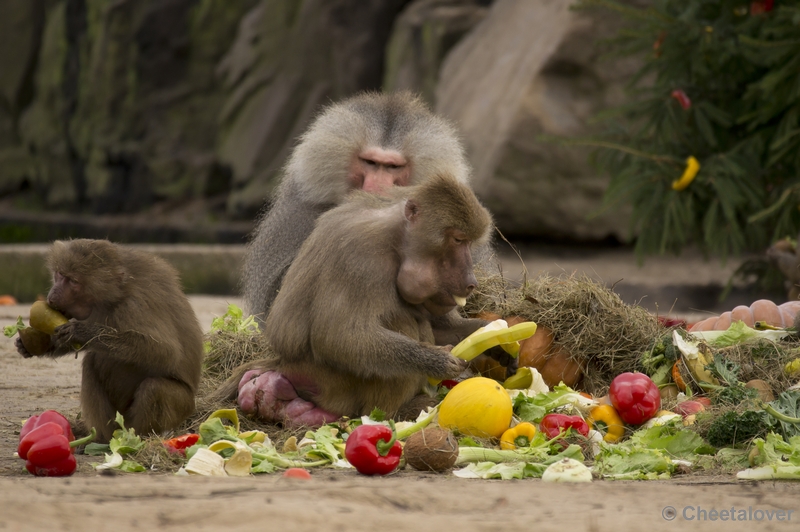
<point>521,380</point>
<point>606,420</point>
<point>518,436</point>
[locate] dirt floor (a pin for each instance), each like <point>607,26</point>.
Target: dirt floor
<point>336,499</point>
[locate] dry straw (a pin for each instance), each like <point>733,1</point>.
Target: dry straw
<point>604,335</point>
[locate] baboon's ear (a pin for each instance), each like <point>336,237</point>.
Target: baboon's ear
<point>411,210</point>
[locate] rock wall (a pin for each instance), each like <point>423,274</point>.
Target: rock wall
<point>112,107</point>
<point>541,73</point>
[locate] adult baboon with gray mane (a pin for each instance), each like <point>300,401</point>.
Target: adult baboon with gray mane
<point>370,142</point>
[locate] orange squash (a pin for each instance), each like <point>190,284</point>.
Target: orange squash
<point>761,310</point>
<point>561,367</point>
<point>553,362</point>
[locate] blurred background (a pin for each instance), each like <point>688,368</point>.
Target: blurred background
<point>168,122</point>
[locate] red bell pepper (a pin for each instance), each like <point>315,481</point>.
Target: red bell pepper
<point>635,396</point>
<point>48,416</point>
<point>448,383</point>
<point>552,425</point>
<point>373,449</point>
<point>181,443</point>
<point>48,451</point>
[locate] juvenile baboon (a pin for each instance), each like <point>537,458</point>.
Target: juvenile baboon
<point>143,343</point>
<point>353,326</point>
<point>370,142</point>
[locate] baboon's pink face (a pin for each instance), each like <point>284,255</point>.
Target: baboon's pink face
<point>376,170</point>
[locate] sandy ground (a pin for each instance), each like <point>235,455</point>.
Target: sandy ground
<point>335,499</point>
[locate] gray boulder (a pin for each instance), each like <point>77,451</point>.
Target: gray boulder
<point>422,36</point>
<point>540,74</point>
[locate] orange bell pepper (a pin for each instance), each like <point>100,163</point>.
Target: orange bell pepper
<point>518,436</point>
<point>606,420</point>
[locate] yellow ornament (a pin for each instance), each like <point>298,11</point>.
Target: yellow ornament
<point>477,407</point>
<point>692,167</point>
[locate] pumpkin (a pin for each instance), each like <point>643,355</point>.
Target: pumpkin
<point>477,407</point>
<point>7,300</point>
<point>761,310</point>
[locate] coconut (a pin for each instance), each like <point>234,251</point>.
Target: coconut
<point>431,449</point>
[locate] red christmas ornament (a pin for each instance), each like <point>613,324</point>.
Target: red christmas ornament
<point>684,100</point>
<point>761,6</point>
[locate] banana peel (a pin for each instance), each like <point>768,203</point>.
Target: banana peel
<point>239,463</point>
<point>696,356</point>
<point>495,333</point>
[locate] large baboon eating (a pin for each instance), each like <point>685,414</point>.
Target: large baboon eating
<point>370,142</point>
<point>372,291</point>
<point>143,343</point>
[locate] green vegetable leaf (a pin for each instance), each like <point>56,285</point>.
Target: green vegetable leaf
<point>124,441</point>
<point>504,471</point>
<point>213,430</point>
<point>533,408</point>
<point>193,449</point>
<point>774,458</point>
<point>11,330</point>
<point>327,445</point>
<point>788,404</point>
<point>377,415</point>
<point>234,321</point>
<point>774,449</point>
<point>264,466</point>
<point>96,449</point>
<point>725,369</point>
<point>129,466</point>
<point>674,440</point>
<point>738,333</point>
<point>468,441</point>
<point>632,462</point>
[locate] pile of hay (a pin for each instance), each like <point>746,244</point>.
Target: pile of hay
<point>226,351</point>
<point>604,335</point>
<point>764,360</point>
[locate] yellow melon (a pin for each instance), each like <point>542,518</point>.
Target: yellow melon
<point>477,407</point>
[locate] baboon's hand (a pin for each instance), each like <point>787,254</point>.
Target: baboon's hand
<point>21,348</point>
<point>504,359</point>
<point>72,334</point>
<point>453,367</point>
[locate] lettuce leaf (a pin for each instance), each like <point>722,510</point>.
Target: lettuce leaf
<point>738,333</point>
